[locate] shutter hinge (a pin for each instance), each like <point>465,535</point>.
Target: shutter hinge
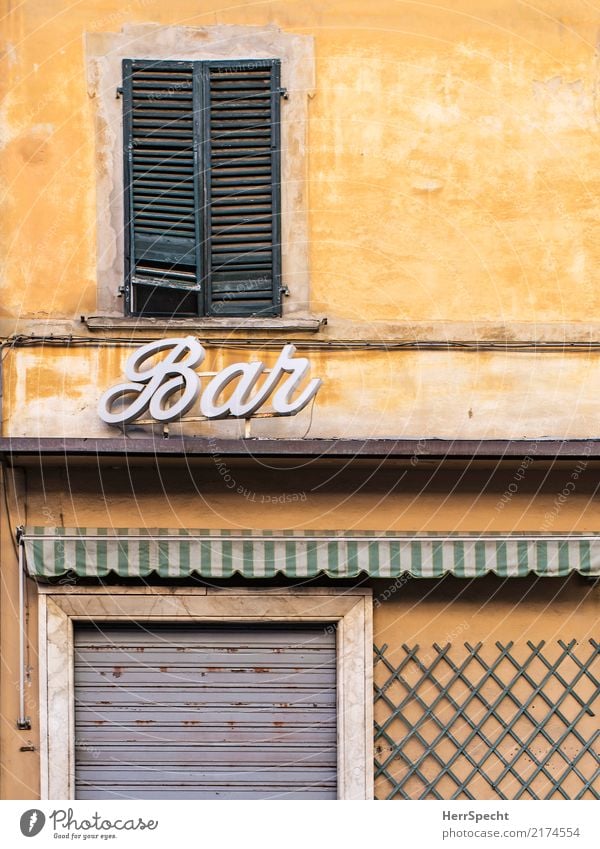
<point>120,291</point>
<point>284,290</point>
<point>119,92</point>
<point>283,92</point>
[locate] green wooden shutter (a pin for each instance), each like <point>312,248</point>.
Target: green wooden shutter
<point>202,187</point>
<point>242,185</point>
<point>162,192</point>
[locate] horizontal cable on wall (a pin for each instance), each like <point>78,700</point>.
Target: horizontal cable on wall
<point>474,346</point>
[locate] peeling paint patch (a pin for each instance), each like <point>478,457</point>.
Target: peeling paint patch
<point>422,184</point>
<point>562,106</point>
<point>436,114</point>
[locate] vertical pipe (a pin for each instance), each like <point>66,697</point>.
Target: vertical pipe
<point>23,722</point>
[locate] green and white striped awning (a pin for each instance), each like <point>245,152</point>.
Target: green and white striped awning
<point>176,553</point>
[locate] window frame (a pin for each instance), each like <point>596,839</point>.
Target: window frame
<point>104,52</point>
<point>59,607</point>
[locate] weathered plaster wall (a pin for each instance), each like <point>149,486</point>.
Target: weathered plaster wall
<point>53,391</point>
<point>278,495</point>
<point>451,183</point>
<point>281,494</point>
<point>19,770</point>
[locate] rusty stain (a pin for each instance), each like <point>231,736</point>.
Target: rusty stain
<point>117,671</point>
<point>99,721</point>
<point>144,722</point>
<point>163,668</point>
<point>191,722</point>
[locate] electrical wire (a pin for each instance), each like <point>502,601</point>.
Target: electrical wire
<point>467,345</point>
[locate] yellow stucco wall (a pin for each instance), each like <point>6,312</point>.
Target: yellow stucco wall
<point>453,171</point>
<point>452,183</point>
<point>452,194</point>
<point>292,493</point>
<point>54,391</point>
<point>428,496</point>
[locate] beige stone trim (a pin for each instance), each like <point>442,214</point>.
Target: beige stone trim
<point>206,325</point>
<point>104,54</point>
<point>351,609</point>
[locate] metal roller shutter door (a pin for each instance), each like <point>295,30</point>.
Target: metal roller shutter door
<point>192,712</point>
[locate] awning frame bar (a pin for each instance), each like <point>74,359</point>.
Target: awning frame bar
<point>218,537</point>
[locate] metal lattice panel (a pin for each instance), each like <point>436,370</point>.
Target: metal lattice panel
<point>488,722</point>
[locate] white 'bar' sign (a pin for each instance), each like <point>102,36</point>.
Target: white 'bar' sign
<point>169,388</point>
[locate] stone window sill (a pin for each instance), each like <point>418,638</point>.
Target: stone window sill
<point>307,324</point>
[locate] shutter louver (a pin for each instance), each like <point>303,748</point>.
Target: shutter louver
<point>162,186</point>
<point>202,187</point>
<point>242,176</point>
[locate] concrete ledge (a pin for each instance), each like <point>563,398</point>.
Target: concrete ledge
<point>105,322</point>
<point>382,449</point>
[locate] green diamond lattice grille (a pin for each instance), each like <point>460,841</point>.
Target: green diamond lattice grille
<point>495,721</point>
